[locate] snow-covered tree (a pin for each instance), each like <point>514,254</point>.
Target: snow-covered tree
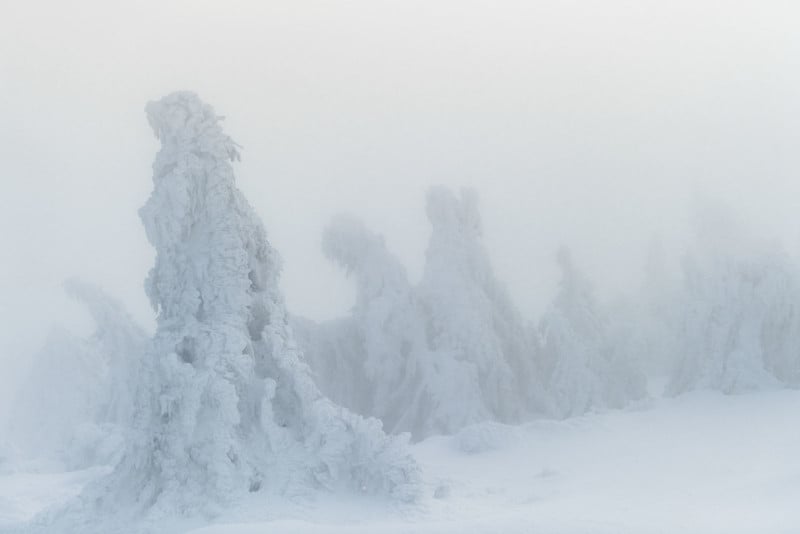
<point>740,309</point>
<point>454,350</point>
<point>226,403</point>
<point>584,369</point>
<point>76,405</point>
<point>470,315</point>
<point>381,350</point>
<point>384,300</point>
<point>121,341</point>
<point>437,357</point>
<point>740,328</point>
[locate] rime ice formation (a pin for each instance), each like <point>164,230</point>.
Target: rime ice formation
<point>226,404</point>
<point>430,359</point>
<point>381,351</point>
<point>362,359</point>
<point>121,341</point>
<point>740,326</point>
<point>471,316</point>
<point>76,406</point>
<point>582,367</point>
<point>739,309</point>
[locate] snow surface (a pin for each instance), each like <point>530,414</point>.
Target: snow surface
<point>702,462</point>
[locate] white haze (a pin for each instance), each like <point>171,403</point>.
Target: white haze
<point>592,124</point>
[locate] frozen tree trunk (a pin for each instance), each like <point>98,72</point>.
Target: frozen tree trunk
<point>583,368</point>
<point>226,404</point>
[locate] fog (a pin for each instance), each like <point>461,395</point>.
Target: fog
<point>591,124</point>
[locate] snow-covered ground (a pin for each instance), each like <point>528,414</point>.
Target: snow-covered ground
<point>701,463</point>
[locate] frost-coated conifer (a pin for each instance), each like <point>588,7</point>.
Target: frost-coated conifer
<point>226,404</point>
<point>739,309</point>
<point>121,341</point>
<point>583,368</point>
<point>77,404</point>
<point>381,349</point>
<point>454,350</point>
<point>434,358</point>
<point>470,315</point>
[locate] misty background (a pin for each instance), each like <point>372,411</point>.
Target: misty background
<point>591,124</point>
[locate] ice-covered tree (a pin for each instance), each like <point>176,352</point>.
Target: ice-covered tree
<point>740,309</point>
<point>226,403</point>
<point>381,350</point>
<point>76,405</point>
<point>584,369</point>
<point>470,315</point>
<point>437,357</point>
<point>384,301</point>
<point>122,343</point>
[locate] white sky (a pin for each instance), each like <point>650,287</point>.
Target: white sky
<point>590,123</point>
